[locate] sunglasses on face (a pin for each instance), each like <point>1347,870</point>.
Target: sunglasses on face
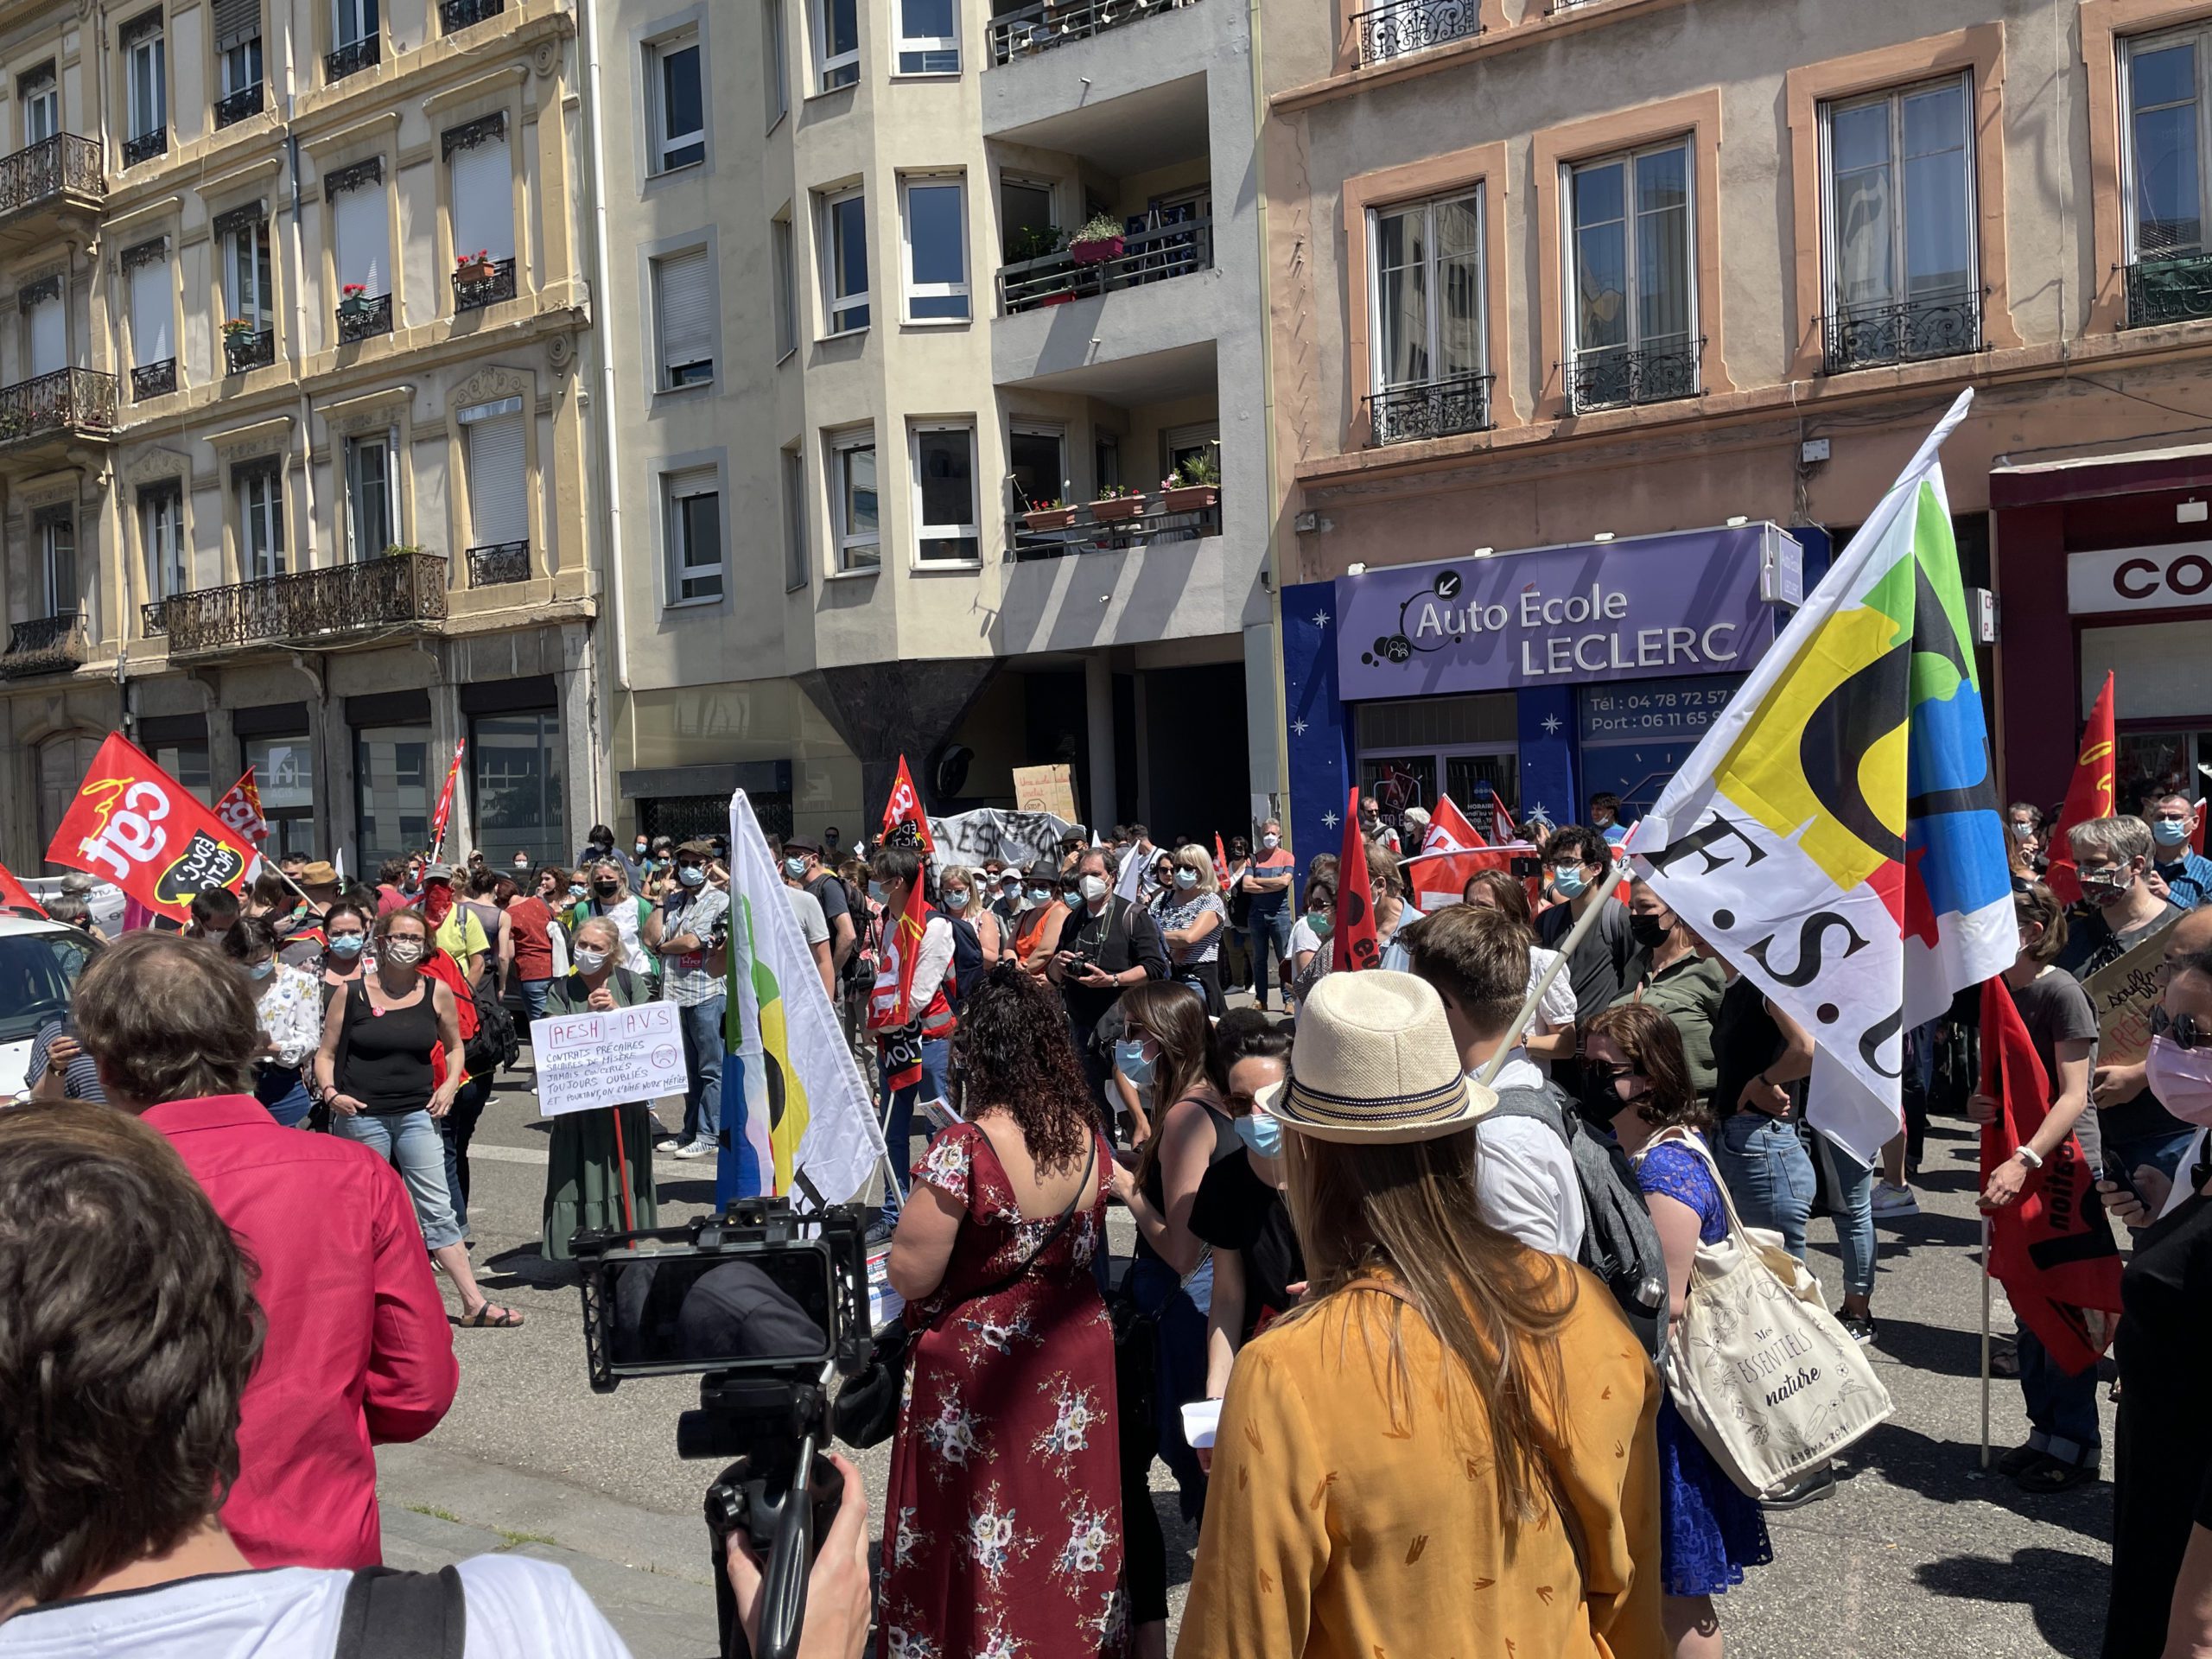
<point>2180,1029</point>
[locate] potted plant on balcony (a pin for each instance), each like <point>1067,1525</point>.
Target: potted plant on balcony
<point>1050,514</point>
<point>1193,487</point>
<point>1118,501</point>
<point>475,267</point>
<point>1098,241</point>
<point>353,302</point>
<point>238,331</point>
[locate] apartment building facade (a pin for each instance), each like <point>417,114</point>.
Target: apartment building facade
<point>889,446</point>
<point>1567,407</point>
<point>292,451</point>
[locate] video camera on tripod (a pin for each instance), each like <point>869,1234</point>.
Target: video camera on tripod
<point>769,1304</point>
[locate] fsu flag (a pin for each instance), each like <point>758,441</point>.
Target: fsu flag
<point>445,799</point>
<point>14,895</point>
<point>1449,831</point>
<point>2051,1248</point>
<point>2089,796</point>
<point>133,824</point>
<point>1355,926</point>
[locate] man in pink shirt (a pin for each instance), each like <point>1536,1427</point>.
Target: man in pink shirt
<point>358,1351</point>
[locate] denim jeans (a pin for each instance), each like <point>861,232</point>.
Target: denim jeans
<point>899,1118</point>
<point>456,1130</point>
<point>1850,1201</point>
<point>1769,1174</point>
<point>280,1089</point>
<point>1269,927</point>
<point>702,1062</point>
<point>410,1142</point>
<point>2161,1152</point>
<point>2062,1410</point>
<point>534,992</point>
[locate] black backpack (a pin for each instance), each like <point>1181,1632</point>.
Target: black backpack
<point>496,1042</point>
<point>1619,1244</point>
<point>393,1615</point>
<point>967,970</point>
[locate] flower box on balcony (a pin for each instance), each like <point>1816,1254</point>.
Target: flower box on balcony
<point>355,306</point>
<point>1067,298</point>
<point>1115,508</point>
<point>1192,497</point>
<point>238,328</point>
<point>1094,251</point>
<point>476,270</point>
<point>1048,518</point>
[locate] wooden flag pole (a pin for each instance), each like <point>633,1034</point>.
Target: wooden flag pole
<point>1985,1343</point>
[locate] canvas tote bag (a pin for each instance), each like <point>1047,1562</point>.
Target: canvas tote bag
<point>1762,1372</point>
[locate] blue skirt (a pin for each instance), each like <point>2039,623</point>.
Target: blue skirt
<point>1710,1529</point>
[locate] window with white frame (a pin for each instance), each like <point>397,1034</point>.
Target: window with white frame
<point>683,319</point>
<point>161,533</point>
<point>787,281</point>
<point>1427,318</point>
<point>793,472</point>
<point>1631,308</point>
<point>928,37</point>
<point>369,515</point>
<point>933,212</point>
<point>775,62</point>
<point>247,288</point>
<point>853,520</point>
<point>352,22</point>
<point>260,491</point>
<point>57,536</point>
<point>236,24</point>
<point>695,537</point>
<point>676,93</point>
<point>2166,163</point>
<point>40,94</point>
<point>844,260</point>
<point>481,177</point>
<point>498,480</point>
<point>836,43</point>
<point>942,456</point>
<point>145,59</point>
<point>1898,251</point>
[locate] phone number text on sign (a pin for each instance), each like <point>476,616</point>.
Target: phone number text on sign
<point>1680,711</point>
<point>587,1061</point>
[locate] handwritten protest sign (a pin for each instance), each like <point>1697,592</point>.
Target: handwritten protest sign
<point>2122,993</point>
<point>1046,789</point>
<point>594,1059</point>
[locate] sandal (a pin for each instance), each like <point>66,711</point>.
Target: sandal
<point>490,1316</point>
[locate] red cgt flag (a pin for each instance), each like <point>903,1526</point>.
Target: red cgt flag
<point>2089,796</point>
<point>240,809</point>
<point>905,807</point>
<point>1355,924</point>
<point>137,826</point>
<point>445,801</point>
<point>1220,861</point>
<point>14,895</point>
<point>1450,830</point>
<point>2051,1248</point>
<point>891,1012</point>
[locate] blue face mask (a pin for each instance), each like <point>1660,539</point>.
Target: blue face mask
<point>1130,1060</point>
<point>875,891</point>
<point>1261,1133</point>
<point>2023,830</point>
<point>348,944</point>
<point>2170,832</point>
<point>1568,880</point>
<point>1040,895</point>
<point>956,900</point>
<point>794,868</point>
<point>260,969</point>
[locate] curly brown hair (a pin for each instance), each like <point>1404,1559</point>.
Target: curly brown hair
<point>1654,1046</point>
<point>1011,1052</point>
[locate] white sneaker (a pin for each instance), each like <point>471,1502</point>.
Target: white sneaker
<point>696,1149</point>
<point>1894,1200</point>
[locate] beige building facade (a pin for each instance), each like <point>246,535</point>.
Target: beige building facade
<point>293,428</point>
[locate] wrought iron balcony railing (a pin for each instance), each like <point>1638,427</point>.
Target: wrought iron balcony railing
<point>1432,409</point>
<point>478,292</point>
<point>240,104</point>
<point>396,591</point>
<point>1047,23</point>
<point>456,15</point>
<point>353,57</point>
<point>44,644</point>
<point>68,400</point>
<point>1869,336</point>
<point>1612,377</point>
<point>1150,256</point>
<point>63,165</point>
<point>363,319</point>
<point>1403,26</point>
<point>145,146</point>
<point>1042,536</point>
<point>502,563</point>
<point>2176,288</point>
<point>152,380</point>
<point>243,350</point>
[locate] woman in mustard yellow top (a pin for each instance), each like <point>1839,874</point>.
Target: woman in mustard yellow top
<point>1448,1449</point>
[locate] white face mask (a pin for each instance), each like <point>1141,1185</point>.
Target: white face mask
<point>589,961</point>
<point>1271,842</point>
<point>1094,888</point>
<point>1186,878</point>
<point>404,952</point>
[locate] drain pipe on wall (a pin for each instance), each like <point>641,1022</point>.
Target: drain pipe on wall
<point>1280,794</point>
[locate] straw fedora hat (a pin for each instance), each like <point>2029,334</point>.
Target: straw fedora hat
<point>1374,1061</point>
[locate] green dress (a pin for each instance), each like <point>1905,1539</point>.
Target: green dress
<point>581,1187</point>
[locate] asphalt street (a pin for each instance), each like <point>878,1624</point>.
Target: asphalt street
<point>1918,1553</point>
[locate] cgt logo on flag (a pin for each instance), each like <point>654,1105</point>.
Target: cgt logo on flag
<point>205,863</point>
<point>137,826</point>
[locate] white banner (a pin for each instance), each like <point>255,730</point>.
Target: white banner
<point>992,832</point>
<point>609,1058</point>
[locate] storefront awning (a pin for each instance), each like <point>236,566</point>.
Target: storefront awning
<point>2077,478</point>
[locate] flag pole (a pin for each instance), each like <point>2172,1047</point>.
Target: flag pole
<point>1518,1029</point>
<point>1985,1343</point>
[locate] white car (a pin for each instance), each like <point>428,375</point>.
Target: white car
<point>39,964</point>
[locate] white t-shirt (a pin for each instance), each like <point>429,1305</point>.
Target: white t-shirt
<point>518,1609</point>
<point>1556,1012</point>
<point>806,909</point>
<point>1525,1183</point>
<point>1303,937</point>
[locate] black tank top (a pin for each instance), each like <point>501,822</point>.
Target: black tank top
<point>1225,1142</point>
<point>384,1058</point>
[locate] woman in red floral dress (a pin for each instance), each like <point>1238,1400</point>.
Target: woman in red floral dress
<point>1003,1525</point>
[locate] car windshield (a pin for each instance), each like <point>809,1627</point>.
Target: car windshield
<point>37,973</point>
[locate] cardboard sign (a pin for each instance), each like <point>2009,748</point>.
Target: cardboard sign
<point>2122,993</point>
<point>1046,788</point>
<point>594,1059</point>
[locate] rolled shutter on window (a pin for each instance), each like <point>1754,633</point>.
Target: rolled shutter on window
<point>49,337</point>
<point>364,238</point>
<point>498,499</point>
<point>237,22</point>
<point>484,199</point>
<point>685,298</point>
<point>151,286</point>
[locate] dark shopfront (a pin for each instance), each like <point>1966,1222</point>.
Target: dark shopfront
<point>1548,675</point>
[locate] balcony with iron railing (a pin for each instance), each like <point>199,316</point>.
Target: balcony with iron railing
<point>152,380</point>
<point>44,644</point>
<point>360,317</point>
<point>455,16</point>
<point>1183,515</point>
<point>236,106</point>
<point>498,564</point>
<point>353,57</point>
<point>1911,331</point>
<point>2169,288</point>
<point>45,184</point>
<point>1026,31</point>
<point>145,146</point>
<point>248,348</point>
<point>472,292</point>
<point>397,591</point>
<point>66,405</point>
<point>1617,376</point>
<point>1400,27</point>
<point>1429,409</point>
<point>1138,257</point>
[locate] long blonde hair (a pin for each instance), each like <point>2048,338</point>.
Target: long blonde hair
<point>1400,1209</point>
